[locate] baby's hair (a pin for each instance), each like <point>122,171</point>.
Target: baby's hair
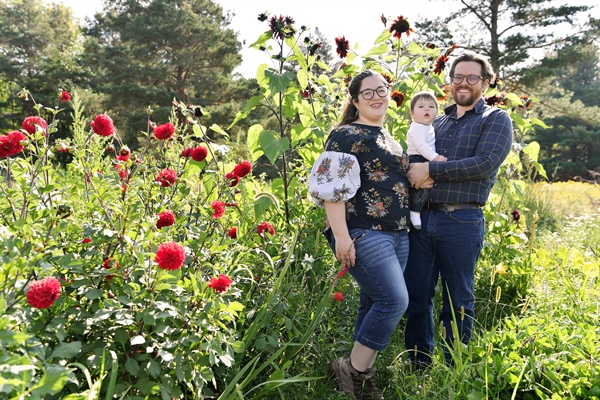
<point>425,95</point>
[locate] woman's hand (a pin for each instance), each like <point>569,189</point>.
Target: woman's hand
<point>344,250</point>
<point>344,246</point>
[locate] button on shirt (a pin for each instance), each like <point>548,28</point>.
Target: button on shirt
<point>475,144</point>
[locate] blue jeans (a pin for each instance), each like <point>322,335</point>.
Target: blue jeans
<point>447,246</point>
<point>379,271</point>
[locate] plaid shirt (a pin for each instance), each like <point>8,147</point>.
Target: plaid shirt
<point>476,145</point>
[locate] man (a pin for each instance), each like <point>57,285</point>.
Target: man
<point>475,138</point>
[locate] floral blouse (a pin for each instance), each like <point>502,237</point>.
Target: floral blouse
<point>365,167</point>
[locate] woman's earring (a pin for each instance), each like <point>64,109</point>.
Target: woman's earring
<point>356,113</point>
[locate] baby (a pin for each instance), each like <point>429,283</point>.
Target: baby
<point>420,141</point>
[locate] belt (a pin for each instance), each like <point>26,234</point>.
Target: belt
<point>452,206</point>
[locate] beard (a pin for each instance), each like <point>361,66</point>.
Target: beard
<point>461,99</point>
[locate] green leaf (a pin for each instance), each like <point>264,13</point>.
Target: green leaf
<point>54,379</point>
<point>278,82</point>
<point>300,132</point>
<point>234,307</point>
<point>377,50</point>
<point>132,366</point>
<point>273,146</point>
<point>385,35</point>
<point>219,130</point>
<point>539,123</point>
<point>250,105</point>
<point>261,205</point>
<point>262,39</point>
<point>94,294</point>
<point>10,338</point>
<point>415,48</point>
<point>302,78</point>
<point>65,350</point>
<point>323,66</point>
<point>532,150</point>
<point>238,346</point>
<point>514,98</point>
<point>253,141</point>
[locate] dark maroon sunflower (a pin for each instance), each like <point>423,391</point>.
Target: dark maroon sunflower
<point>440,64</point>
<point>451,49</point>
<point>400,26</point>
<point>347,79</point>
<point>430,45</point>
<point>281,27</point>
<point>342,46</point>
<point>313,49</point>
<point>496,83</point>
<point>398,97</point>
<point>499,99</point>
<point>526,102</point>
<point>387,77</point>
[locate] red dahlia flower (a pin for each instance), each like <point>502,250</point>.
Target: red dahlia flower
<point>220,284</point>
<point>187,153</point>
<point>164,131</point>
<point>103,125</point>
<point>265,227</point>
<point>400,26</point>
<point>30,124</point>
<point>342,46</point>
<point>338,296</point>
<point>199,153</point>
<point>233,232</point>
<point>166,177</point>
<point>218,208</point>
<point>165,218</point>
<point>124,154</point>
<point>170,256</point>
<point>42,294</point>
<point>12,143</point>
<point>111,263</point>
<point>230,176</point>
<point>242,169</point>
<point>65,96</point>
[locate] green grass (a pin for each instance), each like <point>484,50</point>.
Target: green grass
<point>545,345</point>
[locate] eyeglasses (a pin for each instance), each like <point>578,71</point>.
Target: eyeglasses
<point>471,79</point>
<point>368,94</point>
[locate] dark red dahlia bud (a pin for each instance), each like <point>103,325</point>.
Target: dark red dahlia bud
<point>516,215</point>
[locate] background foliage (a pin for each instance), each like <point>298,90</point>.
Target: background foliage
<point>128,329</point>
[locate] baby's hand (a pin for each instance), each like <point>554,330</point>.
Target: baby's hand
<point>440,158</point>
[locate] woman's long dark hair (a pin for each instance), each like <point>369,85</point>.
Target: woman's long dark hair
<point>349,110</point>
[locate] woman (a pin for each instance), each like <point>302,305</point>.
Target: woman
<point>361,182</point>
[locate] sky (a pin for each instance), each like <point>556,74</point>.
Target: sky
<point>358,21</point>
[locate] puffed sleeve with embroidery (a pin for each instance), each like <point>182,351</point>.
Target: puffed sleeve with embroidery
<point>335,177</point>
